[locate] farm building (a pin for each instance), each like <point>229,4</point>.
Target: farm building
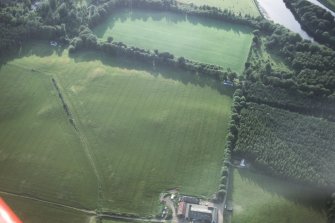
<point>201,213</point>
<point>190,200</point>
<point>181,209</point>
<point>242,164</point>
<point>229,206</point>
<point>228,83</point>
<point>53,43</point>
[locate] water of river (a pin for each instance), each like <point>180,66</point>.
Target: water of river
<point>276,11</point>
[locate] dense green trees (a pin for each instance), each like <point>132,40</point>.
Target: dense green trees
<point>312,65</point>
<point>318,22</point>
<point>85,39</point>
<point>288,144</point>
<point>239,102</point>
<point>62,12</point>
<point>289,99</point>
<point>331,209</point>
<point>48,19</point>
<point>19,23</point>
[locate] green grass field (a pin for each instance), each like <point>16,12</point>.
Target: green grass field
<point>245,7</point>
<point>40,154</point>
<point>259,198</point>
<point>202,40</point>
<point>148,131</point>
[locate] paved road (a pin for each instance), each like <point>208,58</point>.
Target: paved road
<point>220,212</point>
<point>169,203</point>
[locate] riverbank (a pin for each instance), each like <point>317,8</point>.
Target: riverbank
<point>279,13</point>
<point>325,4</point>
<point>313,20</point>
<point>328,4</point>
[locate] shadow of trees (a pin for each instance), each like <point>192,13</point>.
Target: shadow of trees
<point>124,14</point>
<point>36,48</point>
<point>165,71</point>
<point>304,195</point>
<point>43,49</point>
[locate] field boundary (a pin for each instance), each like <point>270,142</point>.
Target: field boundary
<point>289,108</point>
<point>88,212</point>
<point>29,197</point>
<point>260,10</point>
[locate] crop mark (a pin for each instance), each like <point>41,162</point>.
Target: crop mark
<point>82,139</point>
<point>71,117</point>
<point>65,106</point>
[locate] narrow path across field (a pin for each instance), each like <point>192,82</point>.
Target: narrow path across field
<point>82,137</point>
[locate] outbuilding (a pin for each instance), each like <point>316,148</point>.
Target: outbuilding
<point>181,209</point>
<point>190,200</point>
<point>201,213</point>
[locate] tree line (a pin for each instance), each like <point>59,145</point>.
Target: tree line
<point>104,8</point>
<point>289,99</point>
<point>87,40</point>
<point>239,102</point>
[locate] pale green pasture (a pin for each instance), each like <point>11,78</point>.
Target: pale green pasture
<point>260,198</point>
<point>198,39</point>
